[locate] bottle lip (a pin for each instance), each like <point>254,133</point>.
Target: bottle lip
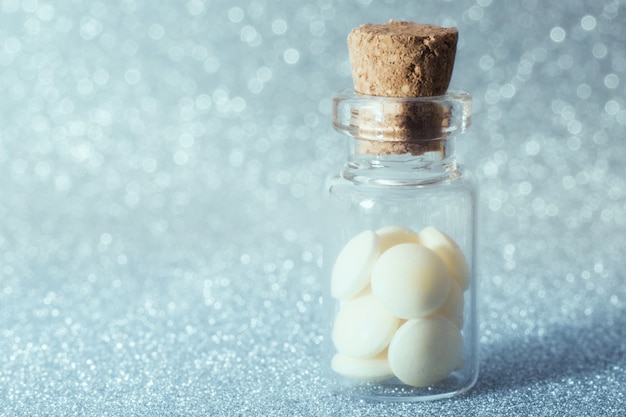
<point>401,119</point>
<point>453,94</point>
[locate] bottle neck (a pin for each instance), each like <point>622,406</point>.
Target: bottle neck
<point>427,162</point>
<point>401,141</point>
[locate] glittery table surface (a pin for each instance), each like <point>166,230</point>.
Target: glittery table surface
<point>162,166</point>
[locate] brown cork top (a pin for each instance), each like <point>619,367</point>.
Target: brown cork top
<point>402,59</point>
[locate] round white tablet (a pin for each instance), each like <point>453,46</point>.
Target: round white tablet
<point>451,254</point>
<point>363,328</point>
<point>394,235</point>
<point>353,267</point>
<point>425,351</point>
<point>452,308</point>
<point>373,369</point>
<point>410,280</point>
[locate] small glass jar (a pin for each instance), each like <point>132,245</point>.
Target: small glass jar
<point>400,287</point>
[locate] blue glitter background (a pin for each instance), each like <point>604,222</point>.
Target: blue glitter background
<point>162,166</point>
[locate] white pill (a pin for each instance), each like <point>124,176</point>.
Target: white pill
<point>352,270</point>
<point>410,280</point>
<point>373,369</point>
<point>449,251</point>
<point>363,328</point>
<point>425,351</point>
<point>394,235</point>
<point>452,308</point>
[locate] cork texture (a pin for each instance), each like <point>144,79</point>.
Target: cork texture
<point>402,59</point>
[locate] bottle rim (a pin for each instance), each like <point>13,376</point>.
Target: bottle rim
<point>401,119</point>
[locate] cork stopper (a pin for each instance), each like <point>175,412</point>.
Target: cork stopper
<point>403,60</point>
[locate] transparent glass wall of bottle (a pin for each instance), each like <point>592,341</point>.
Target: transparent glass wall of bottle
<point>412,190</point>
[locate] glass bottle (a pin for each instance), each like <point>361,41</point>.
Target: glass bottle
<point>400,287</point>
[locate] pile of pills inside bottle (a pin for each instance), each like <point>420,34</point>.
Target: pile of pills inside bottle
<point>401,305</point>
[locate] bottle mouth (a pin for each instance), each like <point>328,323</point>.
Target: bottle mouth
<point>394,121</point>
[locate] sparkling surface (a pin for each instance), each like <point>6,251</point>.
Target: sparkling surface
<point>162,165</point>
